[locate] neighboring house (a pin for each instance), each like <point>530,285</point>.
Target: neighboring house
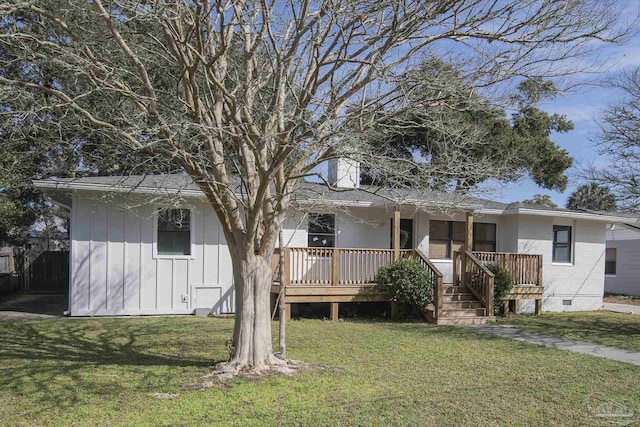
<point>39,241</point>
<point>133,252</point>
<point>622,263</point>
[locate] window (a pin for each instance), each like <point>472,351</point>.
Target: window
<point>321,230</point>
<point>174,232</point>
<point>610,261</point>
<point>445,238</point>
<point>561,243</point>
<point>484,237</point>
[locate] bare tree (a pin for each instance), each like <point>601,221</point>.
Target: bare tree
<point>618,142</point>
<point>249,97</point>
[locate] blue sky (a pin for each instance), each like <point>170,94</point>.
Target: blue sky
<point>582,105</point>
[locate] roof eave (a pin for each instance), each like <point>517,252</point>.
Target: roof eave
<point>568,214</point>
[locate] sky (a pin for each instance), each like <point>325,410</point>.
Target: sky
<point>581,105</point>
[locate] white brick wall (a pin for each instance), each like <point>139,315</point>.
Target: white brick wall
<point>582,281</point>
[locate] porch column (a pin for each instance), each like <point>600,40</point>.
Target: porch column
<point>468,235</point>
<point>468,246</point>
<point>395,233</point>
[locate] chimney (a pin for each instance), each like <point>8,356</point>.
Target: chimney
<point>344,173</point>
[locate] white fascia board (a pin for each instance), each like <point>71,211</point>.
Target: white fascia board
<point>326,202</point>
<point>53,185</point>
<point>489,211</point>
<point>574,215</point>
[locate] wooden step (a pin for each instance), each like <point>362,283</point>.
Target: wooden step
<point>463,320</point>
<point>458,297</point>
<point>455,289</point>
<point>456,305</point>
<point>461,312</point>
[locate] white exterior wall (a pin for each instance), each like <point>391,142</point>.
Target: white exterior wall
<point>581,281</point>
<point>627,278</point>
<point>114,270</point>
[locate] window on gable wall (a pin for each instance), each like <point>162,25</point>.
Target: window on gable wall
<point>321,231</point>
<point>610,261</point>
<point>174,232</point>
<point>561,244</point>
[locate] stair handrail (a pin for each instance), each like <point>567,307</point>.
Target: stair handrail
<point>479,279</point>
<point>435,274</point>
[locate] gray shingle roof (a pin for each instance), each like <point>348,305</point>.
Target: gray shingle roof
<point>308,191</point>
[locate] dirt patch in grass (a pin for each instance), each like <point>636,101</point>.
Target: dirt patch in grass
<point>622,299</point>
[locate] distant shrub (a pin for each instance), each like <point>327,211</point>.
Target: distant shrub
<point>406,282</point>
<point>502,284</point>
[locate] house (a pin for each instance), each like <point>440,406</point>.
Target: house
<point>622,260</point>
<point>136,251</point>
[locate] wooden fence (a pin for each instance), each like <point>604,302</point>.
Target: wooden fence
<point>9,279</point>
<point>49,272</point>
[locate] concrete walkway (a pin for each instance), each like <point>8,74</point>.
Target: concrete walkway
<point>559,343</point>
<point>621,308</point>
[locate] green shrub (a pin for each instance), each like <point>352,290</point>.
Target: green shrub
<point>502,284</point>
<point>406,282</point>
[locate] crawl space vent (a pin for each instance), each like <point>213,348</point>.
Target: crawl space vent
<point>566,302</point>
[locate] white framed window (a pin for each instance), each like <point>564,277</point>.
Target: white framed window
<point>445,238</point>
<point>173,233</point>
<point>610,261</point>
<point>321,231</point>
<point>562,244</point>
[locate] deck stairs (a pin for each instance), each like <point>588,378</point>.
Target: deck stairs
<point>461,307</point>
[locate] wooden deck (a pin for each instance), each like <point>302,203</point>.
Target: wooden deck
<point>339,275</point>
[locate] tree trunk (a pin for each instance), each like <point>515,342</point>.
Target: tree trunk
<point>252,332</point>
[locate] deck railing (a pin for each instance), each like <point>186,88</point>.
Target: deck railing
<point>334,266</point>
<point>525,269</point>
<point>346,267</point>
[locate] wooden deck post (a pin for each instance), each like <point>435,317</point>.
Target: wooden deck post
<point>439,294</point>
<point>455,257</point>
<point>395,233</point>
<point>286,276</point>
<point>335,267</point>
<point>468,246</point>
<point>489,294</point>
<point>335,279</point>
<point>538,306</point>
<point>334,311</point>
<point>468,235</point>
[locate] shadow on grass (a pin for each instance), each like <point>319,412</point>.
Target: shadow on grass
<point>62,362</point>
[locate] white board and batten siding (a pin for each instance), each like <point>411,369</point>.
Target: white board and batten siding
<point>114,269</point>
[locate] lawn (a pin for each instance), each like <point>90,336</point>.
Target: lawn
<point>104,372</point>
<point>599,327</point>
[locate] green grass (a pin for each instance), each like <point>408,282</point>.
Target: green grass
<point>599,327</point>
<point>103,372</point>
